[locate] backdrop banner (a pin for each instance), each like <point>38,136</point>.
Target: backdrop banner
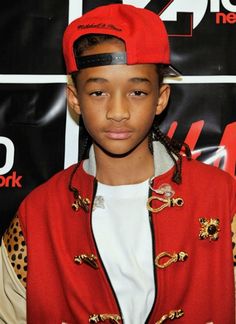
<point>38,137</point>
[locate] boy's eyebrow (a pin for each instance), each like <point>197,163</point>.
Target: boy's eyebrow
<point>102,80</point>
<point>139,80</point>
<point>97,80</point>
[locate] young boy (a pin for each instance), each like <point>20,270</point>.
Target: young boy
<point>136,232</point>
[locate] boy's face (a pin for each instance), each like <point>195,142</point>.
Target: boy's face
<point>118,103</point>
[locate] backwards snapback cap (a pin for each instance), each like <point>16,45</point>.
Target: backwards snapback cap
<point>143,32</point>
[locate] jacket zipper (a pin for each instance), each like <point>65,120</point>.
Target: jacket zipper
<point>154,269</point>
<point>98,254</point>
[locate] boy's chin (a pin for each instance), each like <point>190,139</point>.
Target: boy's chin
<point>117,152</point>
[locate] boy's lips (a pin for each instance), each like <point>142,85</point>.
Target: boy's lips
<point>118,133</point>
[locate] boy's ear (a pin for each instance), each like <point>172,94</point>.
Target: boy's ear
<point>72,97</point>
<point>164,94</point>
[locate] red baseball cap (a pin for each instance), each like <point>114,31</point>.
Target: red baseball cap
<point>142,31</point>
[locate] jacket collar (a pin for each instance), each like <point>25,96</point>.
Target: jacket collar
<point>162,160</point>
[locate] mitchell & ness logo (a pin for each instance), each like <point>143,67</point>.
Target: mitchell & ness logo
<point>101,25</point>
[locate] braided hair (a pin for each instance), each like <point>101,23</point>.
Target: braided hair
<point>172,146</point>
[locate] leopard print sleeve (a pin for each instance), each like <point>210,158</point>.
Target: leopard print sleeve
<point>16,248</point>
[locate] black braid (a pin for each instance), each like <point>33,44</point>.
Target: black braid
<point>173,148</point>
<point>85,142</point>
<point>70,185</point>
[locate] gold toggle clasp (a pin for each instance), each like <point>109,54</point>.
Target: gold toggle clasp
<point>168,202</point>
<point>96,318</point>
<point>173,314</point>
<point>175,257</point>
<point>90,260</point>
<point>167,197</point>
<point>81,203</point>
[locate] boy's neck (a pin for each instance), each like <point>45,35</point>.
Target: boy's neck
<point>134,168</point>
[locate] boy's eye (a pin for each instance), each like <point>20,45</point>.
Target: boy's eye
<point>138,93</point>
<point>97,93</point>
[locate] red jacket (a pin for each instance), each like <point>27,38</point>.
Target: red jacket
<point>200,289</point>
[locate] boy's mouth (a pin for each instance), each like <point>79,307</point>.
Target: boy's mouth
<point>119,134</point>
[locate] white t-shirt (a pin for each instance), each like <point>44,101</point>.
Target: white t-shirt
<point>122,232</point>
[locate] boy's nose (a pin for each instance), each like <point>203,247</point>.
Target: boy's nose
<point>118,109</point>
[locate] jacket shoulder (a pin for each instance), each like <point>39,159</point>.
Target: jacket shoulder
<point>56,189</point>
<point>205,172</point>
